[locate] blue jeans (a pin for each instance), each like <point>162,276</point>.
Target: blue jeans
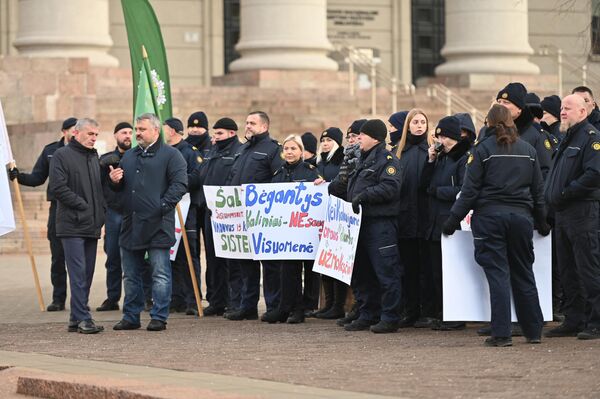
<point>80,256</point>
<point>133,265</point>
<point>114,273</point>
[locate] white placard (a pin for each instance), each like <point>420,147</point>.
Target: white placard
<point>184,205</point>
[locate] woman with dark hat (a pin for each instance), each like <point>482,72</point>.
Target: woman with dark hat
<point>396,125</point>
<point>295,169</point>
<point>442,179</point>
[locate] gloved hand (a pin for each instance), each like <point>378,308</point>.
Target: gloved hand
<point>451,225</point>
<point>343,173</point>
<point>544,229</point>
<point>540,222</point>
<point>13,173</point>
<point>356,201</point>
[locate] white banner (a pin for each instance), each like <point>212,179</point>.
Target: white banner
<point>465,287</point>
<point>228,221</point>
<point>284,220</point>
<point>337,249</point>
<point>7,217</point>
<point>184,205</point>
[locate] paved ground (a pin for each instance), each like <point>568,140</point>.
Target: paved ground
<point>317,354</point>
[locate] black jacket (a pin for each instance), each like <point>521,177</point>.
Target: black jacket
<point>113,199</point>
<point>77,187</point>
<point>594,119</point>
<point>200,143</point>
<point>296,172</point>
<point>259,158</point>
<point>413,217</point>
<point>538,140</point>
<point>443,180</point>
<point>554,131</point>
<point>330,169</point>
<point>217,166</point>
<point>153,183</point>
<point>377,179</point>
<point>501,179</point>
<point>575,175</point>
<point>41,169</point>
<point>312,160</point>
<point>193,160</point>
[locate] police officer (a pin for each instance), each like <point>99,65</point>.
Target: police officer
<point>396,126</point>
<point>573,191</point>
<point>260,157</point>
<point>467,127</point>
<point>591,108</point>
<point>513,98</point>
<point>374,186</point>
<point>504,187</point>
<point>551,118</point>
<point>183,298</point>
<point>113,218</point>
<point>310,148</point>
<point>222,281</point>
<point>37,177</point>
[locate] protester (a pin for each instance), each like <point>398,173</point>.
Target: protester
<point>396,126</point>
<point>310,148</point>
<point>152,178</point>
<point>504,187</point>
<point>76,184</point>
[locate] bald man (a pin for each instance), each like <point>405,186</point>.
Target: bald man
<point>573,191</point>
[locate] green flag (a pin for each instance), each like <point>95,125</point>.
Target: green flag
<point>148,94</point>
<point>143,30</point>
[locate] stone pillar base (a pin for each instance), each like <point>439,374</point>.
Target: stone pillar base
<point>270,78</point>
<point>479,81</point>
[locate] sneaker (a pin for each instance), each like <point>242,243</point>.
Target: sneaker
<point>107,306</point>
<point>247,314</point>
<point>589,333</point>
<point>274,316</point>
<point>425,322</point>
<point>296,317</point>
<point>359,325</point>
<point>213,311</point>
<point>89,327</point>
<point>55,307</point>
<point>384,327</point>
<point>564,330</point>
<point>449,325</point>
<point>498,341</point>
<point>156,325</point>
<point>126,325</point>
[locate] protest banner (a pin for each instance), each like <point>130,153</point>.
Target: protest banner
<point>284,220</point>
<point>184,205</point>
<point>465,287</point>
<point>337,249</point>
<point>228,221</point>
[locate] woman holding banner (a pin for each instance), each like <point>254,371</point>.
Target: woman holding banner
<point>291,306</point>
<point>504,187</point>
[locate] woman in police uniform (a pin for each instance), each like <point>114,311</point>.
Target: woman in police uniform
<point>504,187</point>
<point>291,306</point>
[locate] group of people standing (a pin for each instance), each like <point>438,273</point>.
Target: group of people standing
<point>534,164</point>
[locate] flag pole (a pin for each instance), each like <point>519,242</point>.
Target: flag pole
<point>188,255</point>
<point>36,278</point>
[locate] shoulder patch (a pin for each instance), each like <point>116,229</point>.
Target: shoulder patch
<point>470,159</point>
<point>311,166</point>
<point>592,131</point>
<point>199,159</point>
<point>389,157</point>
<point>390,170</point>
<point>194,148</point>
<point>547,144</point>
<point>596,146</point>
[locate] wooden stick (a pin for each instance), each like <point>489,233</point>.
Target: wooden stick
<point>36,278</point>
<point>188,255</point>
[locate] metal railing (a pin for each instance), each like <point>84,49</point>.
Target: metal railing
<point>454,103</point>
<point>572,66</point>
<point>359,60</point>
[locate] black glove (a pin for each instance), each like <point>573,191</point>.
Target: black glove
<point>343,173</point>
<point>13,173</point>
<point>356,202</point>
<point>540,222</point>
<point>544,229</point>
<point>451,225</point>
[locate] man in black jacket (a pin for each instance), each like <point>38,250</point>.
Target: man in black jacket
<point>76,184</point>
<point>573,191</point>
<point>259,158</point>
<point>37,177</point>
<point>152,178</point>
<point>591,108</point>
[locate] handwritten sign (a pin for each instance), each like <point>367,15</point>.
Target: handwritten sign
<point>337,249</point>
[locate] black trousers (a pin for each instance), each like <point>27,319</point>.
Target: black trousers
<point>578,253</point>
<point>290,286</point>
<point>217,272</point>
<point>504,249</point>
<point>312,286</point>
<point>58,271</point>
<point>418,280</point>
<point>435,258</point>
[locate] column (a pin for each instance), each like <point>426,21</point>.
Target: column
<point>486,37</point>
<point>283,34</point>
<point>65,28</point>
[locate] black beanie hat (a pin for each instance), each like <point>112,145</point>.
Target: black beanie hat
<point>198,119</point>
<point>397,120</point>
<point>226,123</point>
<point>375,128</point>
<point>175,124</point>
<point>551,105</point>
<point>449,126</point>
<point>309,141</point>
<point>466,122</point>
<point>533,103</point>
<point>355,126</point>
<point>122,125</point>
<point>515,93</point>
<point>69,123</point>
<point>334,134</point>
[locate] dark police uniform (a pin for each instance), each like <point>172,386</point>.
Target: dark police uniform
<point>504,187</point>
<point>183,290</point>
<point>539,140</point>
<point>573,191</point>
<point>259,158</point>
<point>290,284</point>
<point>376,280</point>
<point>223,285</point>
<point>594,118</point>
<point>37,177</point>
